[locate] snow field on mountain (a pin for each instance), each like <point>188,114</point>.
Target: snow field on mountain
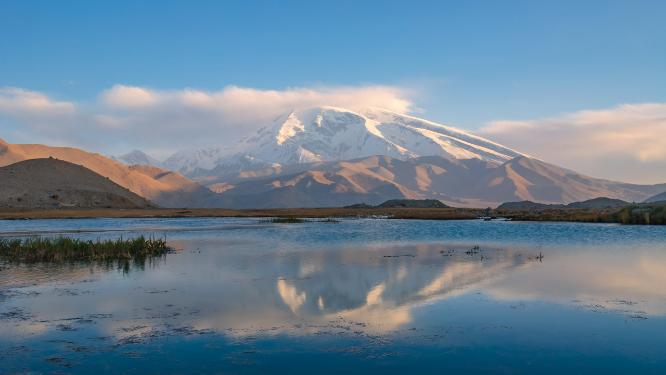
<point>335,134</point>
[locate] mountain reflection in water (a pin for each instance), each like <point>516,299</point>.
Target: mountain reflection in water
<point>404,284</point>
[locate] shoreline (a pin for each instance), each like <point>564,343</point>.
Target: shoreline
<point>551,214</point>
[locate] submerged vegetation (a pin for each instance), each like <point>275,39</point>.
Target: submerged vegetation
<point>287,220</point>
<point>39,249</point>
<point>328,220</point>
<point>283,220</point>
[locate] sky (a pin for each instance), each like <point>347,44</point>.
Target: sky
<point>581,84</point>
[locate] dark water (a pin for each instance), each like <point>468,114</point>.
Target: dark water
<point>362,295</point>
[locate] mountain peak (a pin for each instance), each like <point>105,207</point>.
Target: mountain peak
<point>332,134</point>
<point>137,157</point>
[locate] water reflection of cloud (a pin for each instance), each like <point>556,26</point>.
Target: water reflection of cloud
<point>387,290</point>
<point>632,279</point>
<point>313,288</point>
<point>375,295</point>
<point>244,291</point>
<point>290,295</point>
<point>41,273</point>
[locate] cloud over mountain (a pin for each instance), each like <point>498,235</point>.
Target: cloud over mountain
<point>129,116</point>
<point>627,142</point>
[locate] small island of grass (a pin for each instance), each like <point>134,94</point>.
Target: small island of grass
<point>39,249</point>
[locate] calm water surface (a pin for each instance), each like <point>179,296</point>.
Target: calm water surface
<point>394,296</point>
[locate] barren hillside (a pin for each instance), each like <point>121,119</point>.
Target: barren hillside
<point>55,183</point>
<point>159,186</point>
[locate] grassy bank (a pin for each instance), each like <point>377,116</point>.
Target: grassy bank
<point>39,249</point>
<point>643,214</point>
<point>631,215</point>
<point>9,213</point>
<point>640,215</point>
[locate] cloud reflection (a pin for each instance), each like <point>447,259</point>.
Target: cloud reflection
<point>242,291</point>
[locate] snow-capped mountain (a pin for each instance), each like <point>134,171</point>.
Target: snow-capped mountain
<point>332,134</point>
<point>137,157</point>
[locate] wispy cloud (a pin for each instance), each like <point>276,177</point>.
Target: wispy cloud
<point>627,142</point>
<point>154,120</point>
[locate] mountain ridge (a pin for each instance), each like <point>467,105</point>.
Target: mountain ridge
<point>456,182</point>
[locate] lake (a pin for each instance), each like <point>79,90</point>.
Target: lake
<point>243,296</point>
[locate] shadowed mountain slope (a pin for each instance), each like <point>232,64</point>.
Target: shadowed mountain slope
<point>601,202</point>
<point>656,198</point>
<point>322,189</point>
<point>457,182</point>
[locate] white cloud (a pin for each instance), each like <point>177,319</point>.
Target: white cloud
<point>626,143</point>
<point>18,102</point>
<point>128,97</point>
<point>246,103</point>
<point>126,117</point>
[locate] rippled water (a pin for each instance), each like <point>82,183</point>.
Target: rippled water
<point>361,295</point>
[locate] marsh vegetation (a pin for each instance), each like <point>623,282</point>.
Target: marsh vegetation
<point>44,249</point>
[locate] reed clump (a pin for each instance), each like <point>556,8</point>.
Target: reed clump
<point>58,249</point>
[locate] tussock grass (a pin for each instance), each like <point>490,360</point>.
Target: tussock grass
<point>39,249</point>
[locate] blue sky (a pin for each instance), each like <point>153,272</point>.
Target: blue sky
<point>466,64</point>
